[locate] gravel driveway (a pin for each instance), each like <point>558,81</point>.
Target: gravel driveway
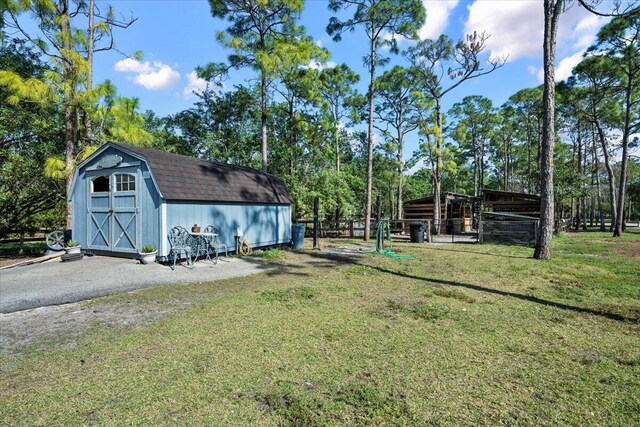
<point>56,282</point>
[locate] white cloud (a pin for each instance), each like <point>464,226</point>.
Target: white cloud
<point>438,12</point>
<point>153,76</point>
<point>195,85</point>
<point>318,43</point>
<point>586,30</point>
<point>531,69</point>
<point>517,28</point>
<point>387,37</point>
<point>317,65</point>
<point>563,68</point>
<point>566,65</point>
<point>131,65</point>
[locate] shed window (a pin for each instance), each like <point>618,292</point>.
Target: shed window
<point>125,182</point>
<point>100,184</point>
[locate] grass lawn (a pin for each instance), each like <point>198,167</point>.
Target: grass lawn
<point>462,335</point>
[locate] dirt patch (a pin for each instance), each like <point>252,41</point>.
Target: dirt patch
<point>60,326</point>
<point>629,248</point>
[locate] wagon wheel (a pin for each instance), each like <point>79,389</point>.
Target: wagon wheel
<point>55,240</point>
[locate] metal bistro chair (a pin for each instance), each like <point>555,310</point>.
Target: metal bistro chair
<point>214,244</point>
<point>180,241</point>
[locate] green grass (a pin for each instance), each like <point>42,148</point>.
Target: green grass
<point>463,335</point>
<point>28,248</point>
<point>272,254</point>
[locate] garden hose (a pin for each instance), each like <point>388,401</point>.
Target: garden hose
<point>382,228</point>
<point>245,248</point>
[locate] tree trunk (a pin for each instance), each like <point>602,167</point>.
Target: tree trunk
<point>292,135</point>
<point>579,169</point>
<point>69,155</point>
<point>552,10</point>
<point>612,178</point>
<point>372,76</point>
<point>88,124</point>
<point>476,166</point>
<point>537,183</point>
<point>400,170</point>
<point>263,118</point>
<point>438,167</point>
<point>69,119</point>
<point>585,202</point>
<point>594,179</point>
<point>529,173</point>
<point>336,137</point>
<point>619,224</point>
<point>481,157</point>
<point>506,165</point>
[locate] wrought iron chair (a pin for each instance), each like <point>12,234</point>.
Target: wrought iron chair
<point>214,243</point>
<point>180,241</point>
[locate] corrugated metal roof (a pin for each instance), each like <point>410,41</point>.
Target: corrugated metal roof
<point>188,178</point>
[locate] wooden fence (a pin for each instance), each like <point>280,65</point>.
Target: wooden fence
<point>352,228</point>
<point>509,232</point>
<point>22,236</point>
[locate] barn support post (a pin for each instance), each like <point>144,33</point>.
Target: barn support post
<point>316,208</point>
<point>480,238</point>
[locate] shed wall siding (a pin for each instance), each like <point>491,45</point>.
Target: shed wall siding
<point>262,224</point>
<point>79,216</point>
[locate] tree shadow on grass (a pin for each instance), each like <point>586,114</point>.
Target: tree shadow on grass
<point>530,298</point>
<point>483,253</point>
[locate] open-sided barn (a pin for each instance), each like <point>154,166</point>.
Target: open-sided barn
<point>125,197</point>
<point>453,206</point>
<point>511,202</point>
<point>460,212</point>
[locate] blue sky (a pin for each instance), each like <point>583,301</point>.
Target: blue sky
<point>176,36</point>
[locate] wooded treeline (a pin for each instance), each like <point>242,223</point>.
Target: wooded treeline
<point>307,123</point>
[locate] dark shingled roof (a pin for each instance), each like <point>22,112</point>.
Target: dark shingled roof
<point>187,178</point>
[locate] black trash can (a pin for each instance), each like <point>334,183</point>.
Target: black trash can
<point>417,230</point>
<point>68,235</point>
<point>297,235</point>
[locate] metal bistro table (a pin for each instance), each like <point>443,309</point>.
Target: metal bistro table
<point>201,244</point>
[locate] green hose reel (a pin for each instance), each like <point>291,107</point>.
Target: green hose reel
<point>382,229</point>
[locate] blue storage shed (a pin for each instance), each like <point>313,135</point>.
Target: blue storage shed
<point>125,197</point>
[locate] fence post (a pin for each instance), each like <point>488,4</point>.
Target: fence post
<point>480,238</point>
<point>453,230</point>
<point>316,202</point>
<point>21,251</point>
<point>352,233</point>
